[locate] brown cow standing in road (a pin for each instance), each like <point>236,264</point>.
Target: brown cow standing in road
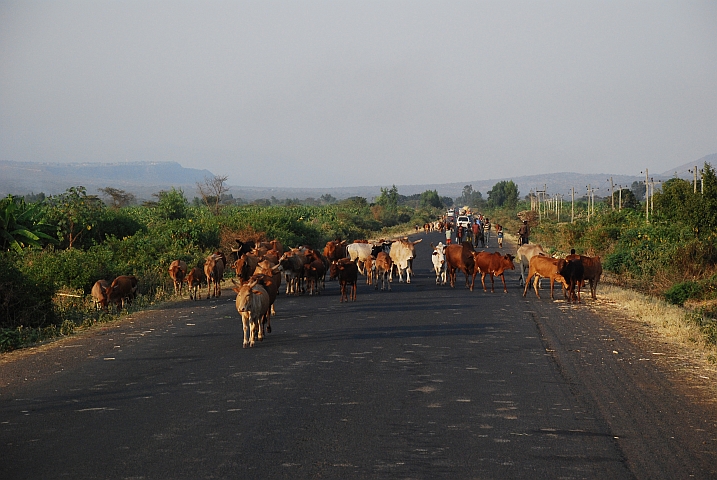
<point>347,273</point>
<point>492,264</point>
<point>214,272</point>
<point>460,257</point>
<point>382,268</point>
<point>592,267</point>
<point>194,281</point>
<point>573,272</point>
<point>178,271</point>
<point>544,267</point>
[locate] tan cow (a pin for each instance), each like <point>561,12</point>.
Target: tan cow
<point>402,253</point>
<point>546,267</point>
<point>178,272</point>
<point>523,256</point>
<point>99,294</point>
<point>252,303</point>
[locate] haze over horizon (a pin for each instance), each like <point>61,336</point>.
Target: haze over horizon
<point>340,94</point>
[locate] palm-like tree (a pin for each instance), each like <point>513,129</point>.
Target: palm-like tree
<point>19,225</point>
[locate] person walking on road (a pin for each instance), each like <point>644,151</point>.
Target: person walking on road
<point>524,233</point>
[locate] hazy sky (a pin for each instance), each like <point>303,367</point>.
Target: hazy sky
<point>346,93</point>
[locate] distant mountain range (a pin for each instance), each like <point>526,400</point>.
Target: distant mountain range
<point>146,178</point>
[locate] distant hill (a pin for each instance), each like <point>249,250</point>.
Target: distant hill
<point>146,178</point>
<point>140,178</point>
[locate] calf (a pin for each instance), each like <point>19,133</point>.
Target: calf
<point>99,294</point>
<point>544,267</point>
<point>439,263</point>
<point>314,272</point>
<point>347,272</point>
<point>252,303</point>
<point>194,281</point>
<point>592,268</point>
<point>123,289</point>
<point>178,271</point>
<point>572,271</point>
<point>382,268</point>
<point>492,264</point>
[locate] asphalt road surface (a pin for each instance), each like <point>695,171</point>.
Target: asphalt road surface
<point>421,382</point>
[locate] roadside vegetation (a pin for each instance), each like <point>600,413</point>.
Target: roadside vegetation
<point>55,248</point>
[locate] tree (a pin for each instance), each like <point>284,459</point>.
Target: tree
<point>470,198</point>
<point>20,224</point>
<point>171,204</point>
<point>430,198</point>
<point>388,198</point>
<point>119,198</point>
<point>638,189</point>
<point>211,191</point>
<point>74,212</point>
<point>504,194</point>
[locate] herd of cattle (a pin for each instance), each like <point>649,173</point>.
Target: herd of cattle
<point>261,267</point>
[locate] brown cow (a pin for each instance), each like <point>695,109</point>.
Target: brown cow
<point>573,272</point>
<point>592,267</point>
<point>99,294</point>
<point>123,289</point>
<point>460,257</point>
<point>492,264</point>
<point>314,272</point>
<point>194,281</point>
<point>178,270</point>
<point>547,267</point>
<point>334,251</point>
<point>245,265</point>
<point>347,272</point>
<point>382,268</point>
<point>265,267</point>
<point>214,272</point>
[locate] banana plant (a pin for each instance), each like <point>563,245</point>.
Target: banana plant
<point>19,225</point>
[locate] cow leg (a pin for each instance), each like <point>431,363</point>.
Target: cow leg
<point>492,283</point>
<point>353,291</point>
<point>505,289</point>
<point>245,326</point>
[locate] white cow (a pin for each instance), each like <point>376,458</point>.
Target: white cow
<point>402,253</point>
<point>523,256</point>
<point>439,263</point>
<point>359,252</point>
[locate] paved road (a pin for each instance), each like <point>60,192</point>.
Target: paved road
<point>422,382</point>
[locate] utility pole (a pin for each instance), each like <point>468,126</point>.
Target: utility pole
<point>619,200</point>
<point>612,194</point>
<point>588,195</point>
<point>647,198</point>
<point>572,204</point>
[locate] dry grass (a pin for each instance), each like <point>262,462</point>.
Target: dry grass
<point>665,333</point>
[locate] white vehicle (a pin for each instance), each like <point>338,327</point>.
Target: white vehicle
<point>465,221</point>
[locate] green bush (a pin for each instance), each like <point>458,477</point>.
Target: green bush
<point>24,300</point>
<point>680,292</point>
